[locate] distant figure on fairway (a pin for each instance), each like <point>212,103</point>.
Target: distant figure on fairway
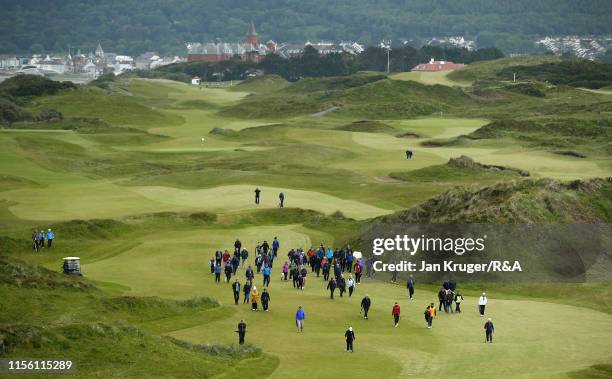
<point>241,332</point>
<point>265,299</point>
<point>365,306</point>
<point>489,329</point>
<point>408,154</point>
<point>482,303</point>
<point>300,316</point>
<point>257,192</point>
<point>350,337</point>
<point>410,286</point>
<point>396,314</point>
<point>430,313</point>
<point>281,198</point>
<point>236,291</point>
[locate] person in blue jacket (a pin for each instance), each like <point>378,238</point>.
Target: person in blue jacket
<point>300,316</point>
<point>50,237</point>
<point>330,254</point>
<point>266,276</point>
<point>275,246</point>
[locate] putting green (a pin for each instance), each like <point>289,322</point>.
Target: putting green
<point>241,197</point>
<point>531,340</point>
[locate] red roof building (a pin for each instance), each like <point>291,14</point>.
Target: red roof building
<point>434,66</point>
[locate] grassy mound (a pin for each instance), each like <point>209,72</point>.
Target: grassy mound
<point>524,201</point>
<point>459,169</point>
<point>262,84</point>
<point>366,126</point>
<point>18,273</point>
<point>487,70</point>
<point>105,350</point>
<point>572,72</point>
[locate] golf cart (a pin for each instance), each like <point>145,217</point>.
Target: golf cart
<point>72,266</point>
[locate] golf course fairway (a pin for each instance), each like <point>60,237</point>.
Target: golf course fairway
<point>145,179</point>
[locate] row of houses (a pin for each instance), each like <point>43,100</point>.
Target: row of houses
<point>251,50</point>
<point>93,64</point>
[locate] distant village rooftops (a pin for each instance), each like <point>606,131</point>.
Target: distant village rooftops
<point>434,65</point>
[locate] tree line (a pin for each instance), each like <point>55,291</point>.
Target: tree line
<point>313,64</point>
<point>135,26</point>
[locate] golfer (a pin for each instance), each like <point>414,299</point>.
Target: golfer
<point>489,329</point>
<point>257,192</point>
<point>482,303</point>
<point>241,332</point>
<point>396,314</point>
<point>300,316</point>
<point>365,306</point>
<point>350,337</point>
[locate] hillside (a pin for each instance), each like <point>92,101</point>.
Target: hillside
<point>133,27</point>
<point>522,201</point>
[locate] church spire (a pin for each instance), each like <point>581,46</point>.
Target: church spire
<point>252,35</point>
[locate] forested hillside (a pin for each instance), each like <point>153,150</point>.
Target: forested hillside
<point>132,26</point>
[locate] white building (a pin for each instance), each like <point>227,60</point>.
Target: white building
<point>196,81</point>
<point>9,61</point>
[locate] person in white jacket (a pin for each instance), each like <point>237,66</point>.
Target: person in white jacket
<point>482,303</point>
<point>350,284</point>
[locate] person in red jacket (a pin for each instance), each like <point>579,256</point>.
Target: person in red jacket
<point>396,314</point>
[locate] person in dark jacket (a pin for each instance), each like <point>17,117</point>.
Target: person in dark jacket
<point>241,332</point>
<point>441,298</point>
<point>257,192</point>
<point>265,299</point>
<point>410,286</point>
<point>489,329</point>
<point>244,255</point>
<point>365,306</point>
<point>236,290</point>
<point>247,291</point>
<point>281,199</point>
<point>218,256</point>
<point>341,284</point>
<point>331,286</point>
<point>228,272</point>
<point>349,335</point>
<point>250,275</point>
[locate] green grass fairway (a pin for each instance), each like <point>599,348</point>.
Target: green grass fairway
<point>145,179</point>
<point>531,339</point>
